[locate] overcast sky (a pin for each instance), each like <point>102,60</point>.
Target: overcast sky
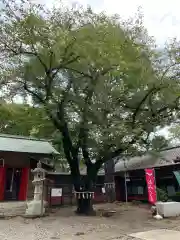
<point>161,18</point>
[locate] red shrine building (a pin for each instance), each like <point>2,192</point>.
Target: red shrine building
<point>18,155</point>
<point>130,177</point>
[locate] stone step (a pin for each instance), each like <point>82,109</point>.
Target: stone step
<point>12,208</point>
<point>8,209</point>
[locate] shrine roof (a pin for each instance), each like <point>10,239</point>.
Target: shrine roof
<point>14,143</point>
<point>170,156</point>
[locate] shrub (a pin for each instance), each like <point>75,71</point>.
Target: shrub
<point>162,195</point>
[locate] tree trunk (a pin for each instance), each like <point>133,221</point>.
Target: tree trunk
<point>85,206</point>
<point>84,190</point>
<point>85,196</point>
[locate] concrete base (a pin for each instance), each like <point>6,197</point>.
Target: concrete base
<point>159,234</point>
<point>168,209</point>
<point>34,208</point>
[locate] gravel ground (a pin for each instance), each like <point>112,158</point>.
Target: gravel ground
<point>63,224</point>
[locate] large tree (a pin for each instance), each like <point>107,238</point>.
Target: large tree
<point>95,76</point>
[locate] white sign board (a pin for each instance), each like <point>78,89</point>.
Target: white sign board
<point>103,190</point>
<point>56,192</point>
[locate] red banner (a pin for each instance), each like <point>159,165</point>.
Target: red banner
<point>151,186</point>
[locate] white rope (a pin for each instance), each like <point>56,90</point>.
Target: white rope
<point>84,195</point>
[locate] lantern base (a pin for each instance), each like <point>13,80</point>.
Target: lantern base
<point>35,208</point>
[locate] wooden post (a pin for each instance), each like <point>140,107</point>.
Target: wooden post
<point>42,198</point>
<point>109,167</point>
<point>2,179</point>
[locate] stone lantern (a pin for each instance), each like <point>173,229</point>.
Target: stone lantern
<point>37,206</point>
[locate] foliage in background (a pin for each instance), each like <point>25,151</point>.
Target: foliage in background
<point>162,195</point>
<point>174,133</point>
<point>25,120</point>
<point>158,143</point>
<point>28,121</point>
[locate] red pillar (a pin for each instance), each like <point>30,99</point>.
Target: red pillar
<point>24,184</point>
<point>2,181</point>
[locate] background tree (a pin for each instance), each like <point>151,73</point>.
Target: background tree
<point>174,133</point>
<point>25,120</point>
<point>157,143</point>
<point>96,78</point>
<point>171,63</point>
<point>28,121</point>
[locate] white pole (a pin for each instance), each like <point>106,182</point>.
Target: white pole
<point>12,180</point>
<point>125,184</point>
<point>42,198</point>
<point>157,214</point>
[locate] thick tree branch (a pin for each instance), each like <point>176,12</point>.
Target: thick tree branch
<point>58,119</point>
<point>61,115</point>
<point>79,72</point>
<point>149,93</point>
<point>172,106</point>
<point>67,59</point>
<point>48,80</point>
<point>111,155</point>
<point>59,122</point>
<point>49,71</point>
<point>83,132</point>
<point>63,65</point>
<point>152,90</point>
<point>167,70</point>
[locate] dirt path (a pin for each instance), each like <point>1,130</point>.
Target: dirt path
<point>64,225</point>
